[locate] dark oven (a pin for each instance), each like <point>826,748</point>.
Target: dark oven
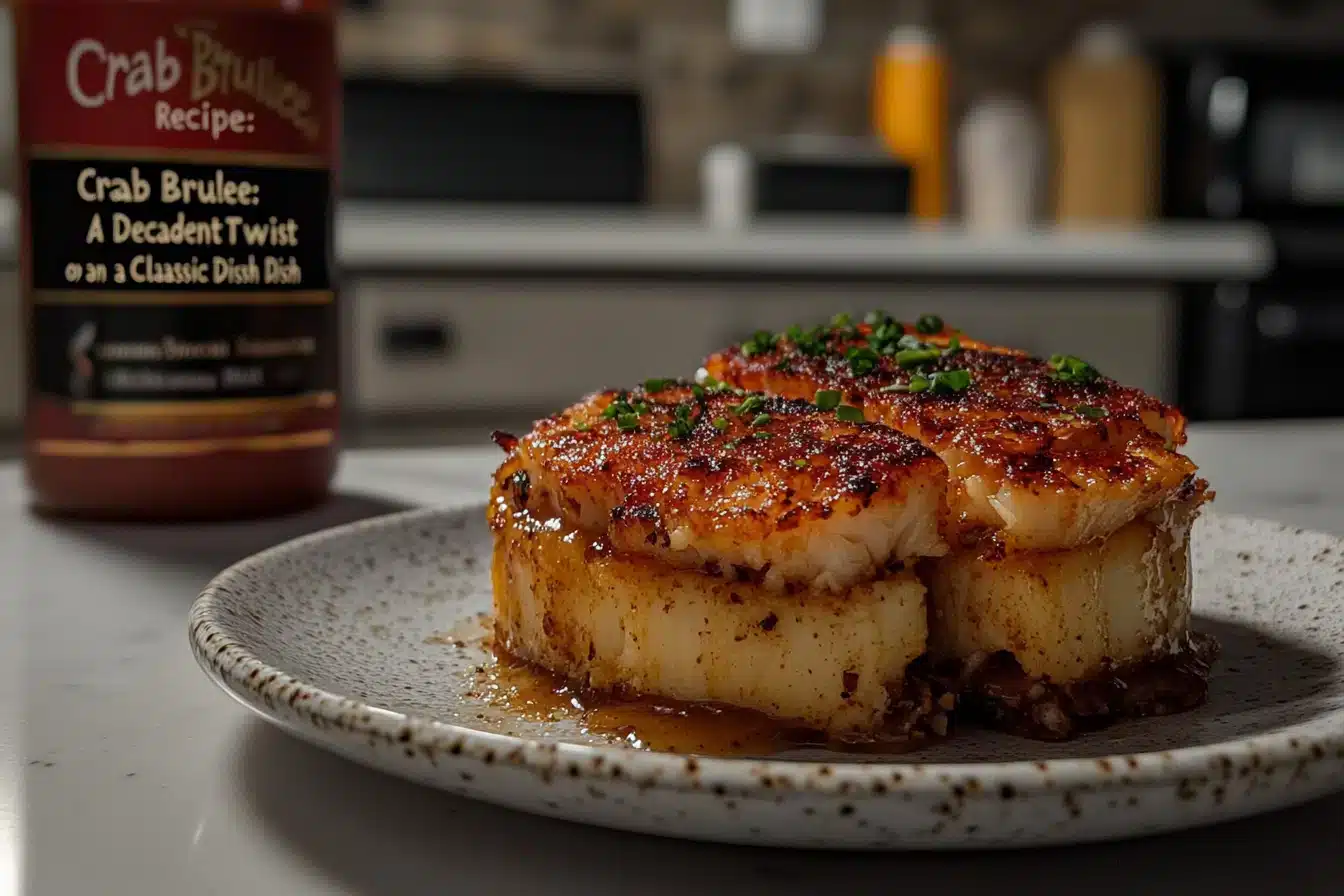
<point>1259,136</point>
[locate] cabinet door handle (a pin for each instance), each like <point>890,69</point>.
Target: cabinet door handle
<point>405,340</point>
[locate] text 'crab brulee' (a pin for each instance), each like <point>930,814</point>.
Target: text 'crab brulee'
<point>864,530</point>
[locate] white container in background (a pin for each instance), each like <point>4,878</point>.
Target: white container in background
<point>1001,156</point>
<point>727,179</point>
<point>775,26</point>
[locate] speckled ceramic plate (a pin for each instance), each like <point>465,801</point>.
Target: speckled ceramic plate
<point>339,638</point>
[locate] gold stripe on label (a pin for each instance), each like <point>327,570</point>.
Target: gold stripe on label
<point>88,448</point>
<point>207,408</point>
<point>162,154</point>
<point>116,297</point>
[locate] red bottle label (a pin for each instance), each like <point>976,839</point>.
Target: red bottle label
<point>177,228</point>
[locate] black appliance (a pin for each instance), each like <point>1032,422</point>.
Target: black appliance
<point>1256,135</point>
<point>830,176</point>
<point>492,140</point>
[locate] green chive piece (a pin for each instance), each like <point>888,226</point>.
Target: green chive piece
<point>861,360</point>
<point>913,357</point>
<point>849,414</point>
<point>761,420</point>
<point>1071,369</point>
<point>953,345</point>
<point>749,404</point>
<point>582,427</point>
<point>682,425</point>
<point>809,342</point>
<point>946,382</point>
<point>627,422</point>
<point>827,399</point>
<point>886,337</point>
<point>760,434</point>
<point>1092,411</point>
<point>720,423</point>
<point>841,320</point>
<point>732,443</point>
<point>800,462</point>
<point>760,343</point>
<point>928,324</point>
<point>656,385</point>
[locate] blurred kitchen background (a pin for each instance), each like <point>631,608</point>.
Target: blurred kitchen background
<point>543,197</point>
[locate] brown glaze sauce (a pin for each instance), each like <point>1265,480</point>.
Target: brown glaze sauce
<point>661,725</point>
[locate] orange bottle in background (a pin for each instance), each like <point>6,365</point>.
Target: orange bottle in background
<point>910,113</point>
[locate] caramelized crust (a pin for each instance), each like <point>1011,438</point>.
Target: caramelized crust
<point>769,489</point>
<point>1047,461</point>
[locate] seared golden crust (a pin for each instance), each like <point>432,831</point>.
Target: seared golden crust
<point>713,478</point>
<point>1019,433</point>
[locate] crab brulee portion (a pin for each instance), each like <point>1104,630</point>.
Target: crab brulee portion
<point>1064,602</point>
<point>709,545</point>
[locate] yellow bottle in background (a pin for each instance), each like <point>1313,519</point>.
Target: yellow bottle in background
<point>910,113</point>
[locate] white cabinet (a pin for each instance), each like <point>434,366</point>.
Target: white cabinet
<point>452,345</point>
<point>457,345</point>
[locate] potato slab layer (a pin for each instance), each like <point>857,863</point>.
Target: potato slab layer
<point>633,624</point>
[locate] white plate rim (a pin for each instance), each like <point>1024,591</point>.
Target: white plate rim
<point>267,690</point>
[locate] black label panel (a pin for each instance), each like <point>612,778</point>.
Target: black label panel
<point>175,281</point>
<point>156,353</point>
<point>129,225</point>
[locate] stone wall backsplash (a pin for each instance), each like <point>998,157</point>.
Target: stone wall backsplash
<point>701,90</point>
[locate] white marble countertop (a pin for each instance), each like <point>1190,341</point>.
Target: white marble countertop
<point>429,237</point>
<point>124,771</point>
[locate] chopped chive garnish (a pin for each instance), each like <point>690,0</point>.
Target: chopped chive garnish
<point>749,404</point>
<point>783,365</point>
<point>656,385</point>
<point>808,342</point>
<point>761,420</point>
<point>682,425</point>
<point>761,342</point>
<point>620,407</point>
<point>720,423</point>
<point>1092,411</point>
<point>913,357</point>
<point>582,427</point>
<point>886,337</point>
<point>918,383</point>
<point>1072,369</point>
<point>760,434</point>
<point>699,392</point>
<point>841,320</point>
<point>627,422</point>
<point>861,360</point>
<point>800,462</point>
<point>827,399</point>
<point>849,414</point>
<point>732,443</point>
<point>928,324</point>
<point>953,345</point>
<point>641,407</point>
<point>945,382</point>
